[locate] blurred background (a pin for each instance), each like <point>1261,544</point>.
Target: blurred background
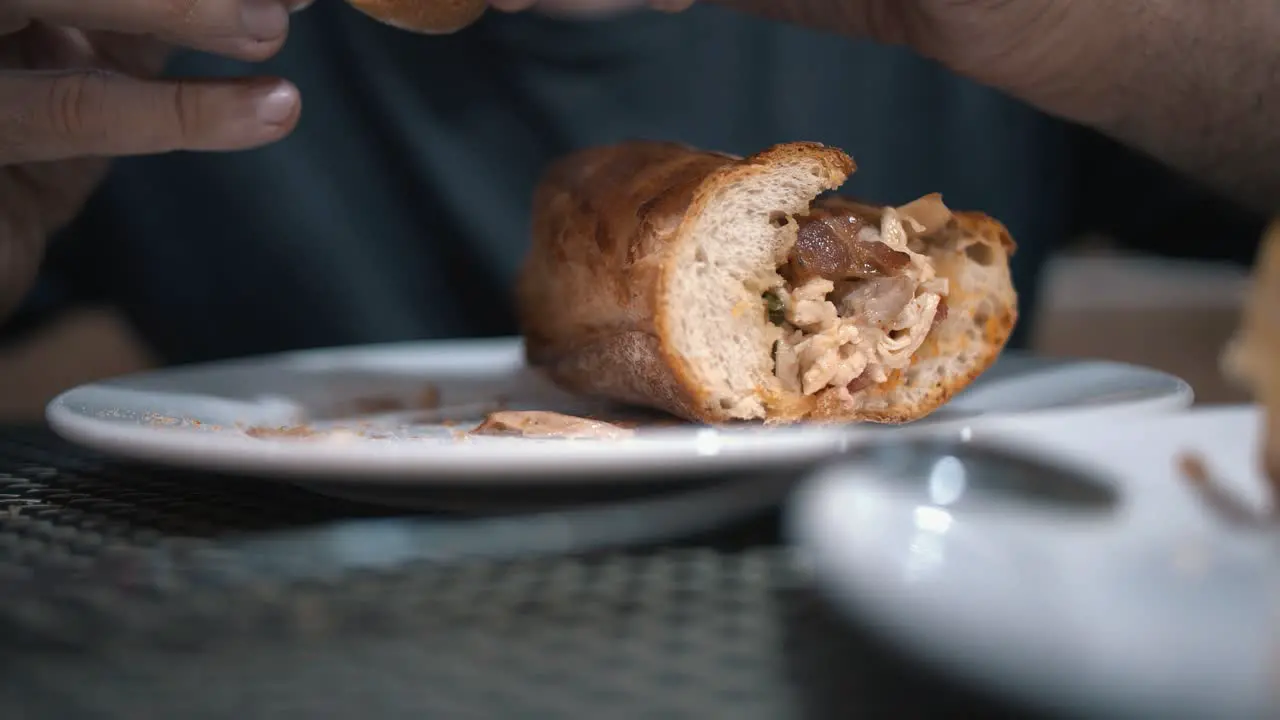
<point>1103,300</point>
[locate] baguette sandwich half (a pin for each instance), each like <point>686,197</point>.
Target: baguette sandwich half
<point>718,289</point>
<point>1252,359</point>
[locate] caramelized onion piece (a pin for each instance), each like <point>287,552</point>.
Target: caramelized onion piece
<point>828,246</point>
<point>820,251</point>
<point>941,314</point>
<point>875,259</point>
<point>862,382</point>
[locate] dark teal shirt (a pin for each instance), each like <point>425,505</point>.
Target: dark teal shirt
<point>399,208</point>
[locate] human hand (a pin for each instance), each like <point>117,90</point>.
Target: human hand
<point>78,85</point>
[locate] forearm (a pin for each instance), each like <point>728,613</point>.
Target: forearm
<point>1196,84</point>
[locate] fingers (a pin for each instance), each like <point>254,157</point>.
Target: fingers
<point>245,29</point>
<point>59,115</point>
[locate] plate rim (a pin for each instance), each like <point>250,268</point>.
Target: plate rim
<point>401,464</point>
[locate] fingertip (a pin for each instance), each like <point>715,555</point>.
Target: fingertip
<point>239,115</point>
<point>277,104</point>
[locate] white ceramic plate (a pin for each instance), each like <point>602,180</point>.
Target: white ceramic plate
<point>1158,608</point>
<point>197,416</point>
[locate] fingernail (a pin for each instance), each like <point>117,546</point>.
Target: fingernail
<point>299,5</point>
<point>264,19</point>
<point>277,104</point>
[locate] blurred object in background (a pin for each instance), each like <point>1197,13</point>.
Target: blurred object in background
<point>1159,276</point>
<point>1173,315</point>
<point>1250,358</point>
<point>75,347</point>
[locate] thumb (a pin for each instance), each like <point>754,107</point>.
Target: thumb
<point>59,115</point>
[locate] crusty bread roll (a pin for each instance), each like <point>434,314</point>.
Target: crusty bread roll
<point>1253,356</point>
<point>433,17</point>
<point>683,280</point>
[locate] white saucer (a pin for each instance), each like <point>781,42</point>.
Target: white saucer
<point>196,417</point>
<point>1155,608</point>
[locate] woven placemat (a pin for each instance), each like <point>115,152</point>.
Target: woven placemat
<point>138,593</point>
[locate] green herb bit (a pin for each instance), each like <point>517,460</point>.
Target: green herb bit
<point>774,307</point>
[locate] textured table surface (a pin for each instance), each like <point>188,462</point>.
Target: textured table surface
<point>129,592</point>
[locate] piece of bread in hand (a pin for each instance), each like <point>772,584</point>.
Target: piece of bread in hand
<point>1253,357</point>
<point>698,283</point>
<point>431,17</point>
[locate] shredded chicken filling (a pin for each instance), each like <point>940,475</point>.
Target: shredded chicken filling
<point>854,302</point>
